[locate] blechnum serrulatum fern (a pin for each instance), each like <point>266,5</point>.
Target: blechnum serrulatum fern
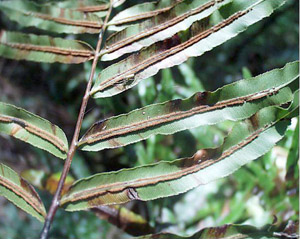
<point>135,44</point>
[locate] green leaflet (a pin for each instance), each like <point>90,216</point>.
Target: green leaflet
<point>96,6</point>
<point>50,18</point>
<point>21,193</point>
<point>32,129</point>
<point>248,140</point>
<point>236,101</point>
<point>139,12</point>
<point>20,46</point>
<point>228,231</point>
<point>202,36</point>
<point>121,217</point>
<point>179,18</point>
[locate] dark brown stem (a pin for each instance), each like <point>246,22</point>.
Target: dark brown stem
<point>56,198</point>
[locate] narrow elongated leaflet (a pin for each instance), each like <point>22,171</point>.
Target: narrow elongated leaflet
<point>179,18</point>
<point>202,36</point>
<point>21,193</point>
<point>232,102</point>
<point>51,18</point>
<point>227,231</point>
<point>139,12</point>
<point>32,129</point>
<point>94,6</point>
<point>248,140</point>
<point>121,217</point>
<point>20,46</point>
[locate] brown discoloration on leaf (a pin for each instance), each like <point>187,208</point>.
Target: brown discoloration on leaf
<point>30,189</point>
<point>199,157</point>
<point>96,8</point>
<point>71,14</point>
<point>96,127</point>
<point>114,143</point>
<point>25,191</point>
<point>174,113</point>
<point>53,128</point>
<point>95,201</point>
<point>15,129</point>
<point>19,124</point>
<point>188,162</point>
<point>108,197</point>
<point>61,13</point>
<point>163,21</point>
<point>200,98</point>
<point>174,105</point>
<point>217,232</point>
<point>254,120</point>
<point>162,55</point>
<point>169,43</point>
<point>121,187</point>
<point>51,41</point>
<point>199,26</point>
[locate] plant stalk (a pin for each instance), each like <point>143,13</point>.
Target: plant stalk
<point>73,147</point>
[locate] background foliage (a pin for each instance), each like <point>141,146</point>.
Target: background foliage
<point>54,91</point>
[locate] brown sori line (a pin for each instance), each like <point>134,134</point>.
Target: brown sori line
<point>5,119</point>
<point>88,24</point>
<point>36,131</point>
<point>154,59</point>
<point>92,8</point>
<point>22,193</point>
<point>120,186</point>
<point>155,29</point>
<point>56,50</point>
<point>139,17</point>
<point>118,131</point>
<point>143,16</point>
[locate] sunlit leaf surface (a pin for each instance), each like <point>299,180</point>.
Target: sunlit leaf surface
<point>232,102</point>
<point>201,37</point>
<point>248,140</point>
<point>167,22</point>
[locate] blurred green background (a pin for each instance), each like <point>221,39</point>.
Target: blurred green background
<point>262,192</point>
